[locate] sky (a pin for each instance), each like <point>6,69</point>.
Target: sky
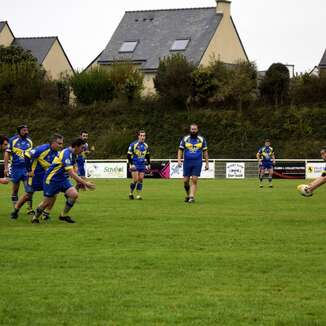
<point>287,31</point>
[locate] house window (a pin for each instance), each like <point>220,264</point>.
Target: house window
<point>180,45</point>
<point>128,47</point>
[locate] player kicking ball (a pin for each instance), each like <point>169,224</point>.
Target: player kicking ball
<point>266,161</point>
<point>308,190</point>
<point>139,161</point>
<point>56,180</point>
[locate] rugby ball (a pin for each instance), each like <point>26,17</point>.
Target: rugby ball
<point>304,190</point>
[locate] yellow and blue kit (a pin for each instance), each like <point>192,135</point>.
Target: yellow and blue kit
<point>266,154</point>
<point>139,155</point>
<point>17,148</point>
<point>193,148</point>
<point>56,177</point>
<point>38,160</point>
<point>80,160</point>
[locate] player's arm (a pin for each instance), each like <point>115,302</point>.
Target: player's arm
<point>180,152</point>
<point>205,153</point>
<point>273,158</point>
<point>148,159</point>
<point>258,156</point>
<point>129,157</point>
<point>6,159</point>
<point>74,175</point>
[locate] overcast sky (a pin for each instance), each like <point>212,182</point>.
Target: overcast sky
<point>288,31</point>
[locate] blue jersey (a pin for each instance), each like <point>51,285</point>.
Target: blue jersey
<point>17,148</point>
<point>193,147</point>
<point>266,154</point>
<point>81,158</point>
<point>40,159</point>
<point>61,165</point>
<point>138,152</point>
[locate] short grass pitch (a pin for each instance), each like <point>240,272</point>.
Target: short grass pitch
<point>239,256</point>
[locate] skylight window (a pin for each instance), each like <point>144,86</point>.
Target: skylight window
<point>180,45</point>
<point>128,47</point>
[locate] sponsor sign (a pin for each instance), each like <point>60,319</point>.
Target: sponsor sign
<point>176,172</point>
<point>314,170</point>
<point>106,170</point>
<point>159,170</point>
<point>289,170</point>
<point>235,170</point>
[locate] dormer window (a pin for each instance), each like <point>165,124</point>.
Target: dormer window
<point>180,45</point>
<point>128,47</point>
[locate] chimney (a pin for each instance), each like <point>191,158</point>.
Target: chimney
<point>223,7</point>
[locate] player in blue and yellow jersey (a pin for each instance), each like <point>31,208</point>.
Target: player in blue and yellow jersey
<point>38,160</point>
<point>56,180</point>
<point>4,141</point>
<point>18,145</point>
<point>139,161</point>
<point>266,160</point>
<point>192,149</point>
<point>81,159</point>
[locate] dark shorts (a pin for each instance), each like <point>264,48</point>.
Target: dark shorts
<point>266,165</point>
<point>139,168</point>
<point>192,168</point>
<point>34,184</point>
<point>18,174</point>
<point>53,188</point>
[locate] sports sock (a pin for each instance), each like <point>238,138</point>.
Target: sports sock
<point>14,199</point>
<point>69,205</point>
<point>139,187</point>
<point>132,187</point>
<point>46,214</point>
<point>187,188</point>
<point>270,179</point>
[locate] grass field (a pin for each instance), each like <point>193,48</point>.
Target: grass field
<point>239,256</point>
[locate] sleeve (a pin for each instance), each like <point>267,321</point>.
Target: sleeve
<point>9,148</point>
<point>182,144</point>
<point>205,148</point>
<point>131,149</point>
<point>67,162</point>
<point>148,155</point>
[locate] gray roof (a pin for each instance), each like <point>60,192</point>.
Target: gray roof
<point>39,46</point>
<point>323,61</point>
<point>156,30</point>
<point>2,25</point>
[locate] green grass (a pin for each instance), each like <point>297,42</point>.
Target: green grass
<point>239,256</point>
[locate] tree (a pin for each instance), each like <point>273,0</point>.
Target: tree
<point>275,86</point>
<point>21,77</point>
<point>173,81</point>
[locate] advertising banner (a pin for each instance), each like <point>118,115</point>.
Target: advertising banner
<point>176,172</point>
<point>314,170</point>
<point>290,170</point>
<point>159,170</point>
<point>106,170</point>
<point>235,170</point>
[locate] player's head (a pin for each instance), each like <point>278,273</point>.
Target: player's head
<point>78,145</point>
<point>323,153</point>
<point>56,142</point>
<point>267,142</point>
<point>194,129</point>
<point>22,131</point>
<point>83,135</point>
<point>4,142</point>
<point>141,136</point>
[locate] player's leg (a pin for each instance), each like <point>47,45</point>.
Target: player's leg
<point>316,183</point>
<point>186,185</point>
<point>133,184</point>
<point>47,202</point>
<point>14,192</point>
<point>47,210</point>
<point>270,176</point>
<point>71,197</point>
<point>22,200</point>
<point>261,174</point>
<point>139,185</point>
<point>193,189</point>
<point>28,185</point>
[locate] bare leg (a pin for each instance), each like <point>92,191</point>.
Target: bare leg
<point>270,177</point>
<point>71,195</point>
<point>316,183</point>
<point>186,184</point>
<point>193,187</point>
<point>14,193</point>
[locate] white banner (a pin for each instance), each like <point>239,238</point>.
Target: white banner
<point>314,170</point>
<point>106,170</point>
<point>235,170</point>
<point>176,172</point>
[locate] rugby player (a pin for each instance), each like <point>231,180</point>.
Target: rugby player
<point>139,161</point>
<point>192,148</point>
